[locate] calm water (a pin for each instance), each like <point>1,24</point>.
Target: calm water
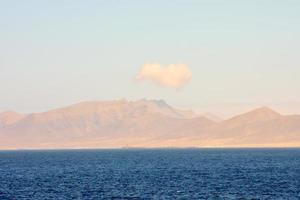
<point>151,174</point>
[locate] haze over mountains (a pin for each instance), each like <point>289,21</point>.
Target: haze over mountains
<point>144,123</point>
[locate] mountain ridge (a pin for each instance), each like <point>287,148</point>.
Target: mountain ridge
<point>144,123</point>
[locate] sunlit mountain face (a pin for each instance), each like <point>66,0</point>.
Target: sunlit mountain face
<point>144,123</point>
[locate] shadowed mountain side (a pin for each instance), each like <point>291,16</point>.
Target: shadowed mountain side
<point>146,123</point>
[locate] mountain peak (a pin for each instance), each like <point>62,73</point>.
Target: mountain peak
<point>10,117</point>
<point>159,102</point>
<point>264,110</point>
<point>8,112</point>
<point>143,123</point>
<point>258,115</point>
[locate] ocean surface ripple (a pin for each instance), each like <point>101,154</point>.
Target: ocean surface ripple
<point>150,174</point>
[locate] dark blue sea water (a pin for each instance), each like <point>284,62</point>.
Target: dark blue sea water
<point>151,174</point>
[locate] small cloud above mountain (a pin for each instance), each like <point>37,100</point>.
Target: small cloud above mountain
<point>172,76</point>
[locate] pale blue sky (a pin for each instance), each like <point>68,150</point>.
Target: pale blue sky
<point>242,54</point>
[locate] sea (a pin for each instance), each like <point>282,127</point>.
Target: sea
<point>150,174</point>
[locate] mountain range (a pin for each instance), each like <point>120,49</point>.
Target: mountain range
<point>144,123</point>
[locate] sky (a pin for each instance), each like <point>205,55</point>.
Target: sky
<point>237,55</point>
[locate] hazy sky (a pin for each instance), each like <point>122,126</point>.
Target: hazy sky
<point>241,54</point>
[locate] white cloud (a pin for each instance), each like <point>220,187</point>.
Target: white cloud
<point>173,75</point>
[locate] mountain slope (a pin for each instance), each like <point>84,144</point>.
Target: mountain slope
<point>94,121</point>
<point>9,117</point>
<point>144,123</point>
<point>258,115</point>
<point>260,127</point>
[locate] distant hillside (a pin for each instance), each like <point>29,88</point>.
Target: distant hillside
<point>143,123</point>
<point>10,117</point>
